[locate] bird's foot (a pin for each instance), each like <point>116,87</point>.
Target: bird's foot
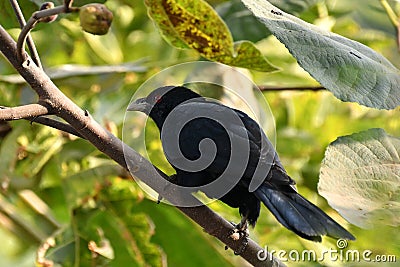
<point>240,232</point>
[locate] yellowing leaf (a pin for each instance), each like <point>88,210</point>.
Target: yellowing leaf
<point>248,56</point>
<point>196,25</point>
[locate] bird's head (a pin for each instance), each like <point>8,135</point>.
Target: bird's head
<point>159,103</point>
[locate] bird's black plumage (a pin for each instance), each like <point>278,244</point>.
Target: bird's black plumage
<point>276,189</point>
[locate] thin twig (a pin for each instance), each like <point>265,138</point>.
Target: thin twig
<point>35,115</point>
<point>22,37</point>
<point>68,4</point>
<point>56,125</point>
<point>33,20</point>
<point>16,223</point>
<point>398,36</point>
<point>22,112</point>
<point>305,88</point>
<point>394,18</point>
<point>29,40</point>
<point>392,15</point>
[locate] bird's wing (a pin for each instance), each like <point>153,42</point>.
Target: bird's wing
<point>233,133</point>
<point>264,158</point>
<point>199,121</point>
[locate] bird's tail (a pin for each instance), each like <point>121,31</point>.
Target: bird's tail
<point>298,214</point>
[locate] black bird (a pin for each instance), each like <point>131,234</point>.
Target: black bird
<point>275,189</point>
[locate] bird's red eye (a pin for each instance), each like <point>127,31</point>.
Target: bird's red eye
<point>157,98</point>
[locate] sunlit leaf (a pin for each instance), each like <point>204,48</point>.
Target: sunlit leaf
<point>106,47</point>
<point>105,231</point>
<point>8,17</point>
<point>360,178</point>
<point>241,22</point>
<point>350,70</point>
<point>170,225</point>
<point>104,248</point>
<point>195,24</point>
<point>9,149</point>
<point>77,192</point>
<point>295,6</point>
<point>247,56</point>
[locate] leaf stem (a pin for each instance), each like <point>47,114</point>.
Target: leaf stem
<point>392,15</point>
<point>22,112</point>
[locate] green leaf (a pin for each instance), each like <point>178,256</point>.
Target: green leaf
<point>247,56</point>
<point>77,192</point>
<point>9,20</point>
<point>9,149</point>
<point>295,6</point>
<point>192,24</point>
<point>174,232</point>
<point>360,178</point>
<point>105,231</point>
<point>106,47</point>
<point>350,70</point>
<point>28,8</point>
<point>241,22</point>
<point>196,25</point>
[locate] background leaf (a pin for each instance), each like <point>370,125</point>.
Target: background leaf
<point>351,71</point>
<point>104,219</point>
<point>241,22</point>
<point>295,6</point>
<point>196,24</point>
<point>247,56</point>
<point>360,178</point>
<point>6,11</point>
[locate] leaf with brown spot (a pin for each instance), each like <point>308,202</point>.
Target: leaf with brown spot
<point>196,25</point>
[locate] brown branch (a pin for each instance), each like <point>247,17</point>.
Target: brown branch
<point>56,125</point>
<point>113,147</point>
<point>34,113</point>
<point>398,36</point>
<point>266,88</point>
<point>33,20</point>
<point>29,40</point>
<point>22,112</point>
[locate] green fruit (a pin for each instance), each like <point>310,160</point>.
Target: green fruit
<point>95,18</point>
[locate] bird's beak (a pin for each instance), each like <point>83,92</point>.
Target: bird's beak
<point>140,105</point>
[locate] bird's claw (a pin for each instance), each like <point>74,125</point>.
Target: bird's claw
<point>240,232</point>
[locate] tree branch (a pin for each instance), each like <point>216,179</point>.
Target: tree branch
<point>33,20</point>
<point>113,147</point>
<point>22,112</point>
<point>391,14</point>
<point>305,88</point>
<point>56,125</point>
<point>29,40</point>
<point>34,113</point>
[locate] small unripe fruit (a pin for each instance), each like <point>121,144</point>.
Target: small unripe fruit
<point>95,18</point>
<point>48,5</point>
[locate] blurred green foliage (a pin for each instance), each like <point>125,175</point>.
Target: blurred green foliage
<point>59,194</point>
